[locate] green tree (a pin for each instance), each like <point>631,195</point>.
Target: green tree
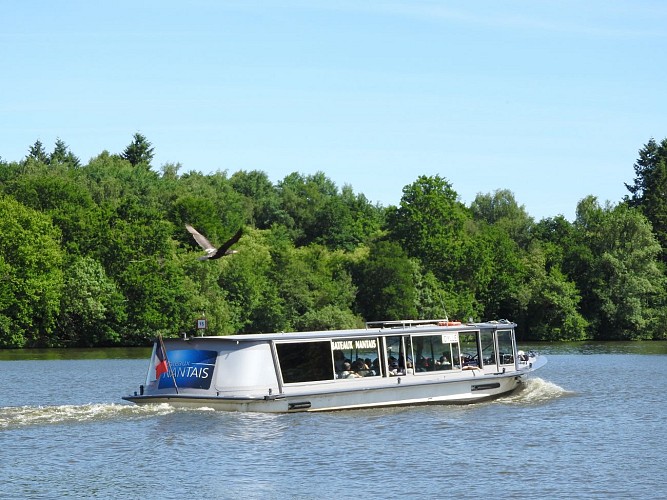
<point>430,224</point>
<point>37,153</point>
<point>436,299</point>
<point>92,309</point>
<point>209,203</point>
<point>500,209</point>
<point>302,198</point>
<point>345,221</point>
<point>551,300</point>
<point>31,278</point>
<point>64,197</point>
<point>61,155</point>
<point>249,287</point>
<point>157,298</point>
<point>311,279</point>
<point>260,197</point>
<point>139,151</point>
<point>621,274</point>
<point>498,272</point>
<point>386,284</point>
<point>649,190</point>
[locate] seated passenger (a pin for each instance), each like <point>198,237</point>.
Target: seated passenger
<point>360,368</point>
<point>347,371</point>
<point>443,363</point>
<point>394,369</point>
<point>339,359</point>
<point>423,364</point>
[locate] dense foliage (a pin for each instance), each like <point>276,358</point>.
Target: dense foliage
<point>97,254</point>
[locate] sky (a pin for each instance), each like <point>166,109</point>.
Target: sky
<point>551,100</point>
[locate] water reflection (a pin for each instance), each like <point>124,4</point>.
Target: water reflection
<point>105,353</point>
<point>585,347</point>
<point>590,347</point>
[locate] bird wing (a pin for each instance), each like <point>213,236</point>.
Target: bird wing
<point>200,238</point>
<point>224,248</point>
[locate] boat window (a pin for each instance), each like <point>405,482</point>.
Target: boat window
<point>505,347</point>
<point>436,352</point>
<point>469,349</point>
<point>305,361</point>
<point>245,366</point>
<point>399,355</point>
<point>356,358</point>
<point>488,347</point>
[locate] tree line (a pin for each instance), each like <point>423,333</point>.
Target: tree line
<point>97,254</point>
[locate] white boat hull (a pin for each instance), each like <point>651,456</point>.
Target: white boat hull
<point>397,391</point>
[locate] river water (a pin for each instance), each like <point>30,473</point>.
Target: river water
<point>590,424</point>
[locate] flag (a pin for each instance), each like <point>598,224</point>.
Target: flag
<point>162,363</point>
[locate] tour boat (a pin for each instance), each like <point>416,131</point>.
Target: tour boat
<point>386,364</point>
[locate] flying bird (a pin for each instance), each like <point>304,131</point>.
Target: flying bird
<point>211,251</point>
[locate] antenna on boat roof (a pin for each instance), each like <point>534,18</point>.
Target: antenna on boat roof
<point>442,304</point>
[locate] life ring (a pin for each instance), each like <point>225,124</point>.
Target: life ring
<point>449,323</point>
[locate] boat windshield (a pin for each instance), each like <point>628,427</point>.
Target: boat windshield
<point>488,347</point>
<point>469,349</point>
<point>506,347</point>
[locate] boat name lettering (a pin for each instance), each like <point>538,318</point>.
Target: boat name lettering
<point>189,368</point>
<point>188,371</point>
<point>354,344</point>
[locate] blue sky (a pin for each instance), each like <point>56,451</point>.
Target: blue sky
<point>549,99</point>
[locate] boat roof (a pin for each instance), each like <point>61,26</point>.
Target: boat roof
<point>373,328</point>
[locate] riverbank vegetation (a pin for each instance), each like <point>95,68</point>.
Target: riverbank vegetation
<point>97,254</point>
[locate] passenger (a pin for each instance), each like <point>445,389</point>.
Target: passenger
<point>347,371</point>
<point>394,368</point>
<point>443,362</point>
<point>376,367</point>
<point>409,367</point>
<point>360,368</point>
<point>339,360</point>
<point>423,364</point>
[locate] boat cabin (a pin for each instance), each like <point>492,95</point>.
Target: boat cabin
<point>271,364</point>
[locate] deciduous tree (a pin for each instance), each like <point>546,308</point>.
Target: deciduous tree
<point>31,278</point>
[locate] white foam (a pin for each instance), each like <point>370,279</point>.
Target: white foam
<point>536,390</point>
<point>20,416</point>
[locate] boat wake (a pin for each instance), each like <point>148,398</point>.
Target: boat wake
<point>535,391</point>
<point>13,417</point>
